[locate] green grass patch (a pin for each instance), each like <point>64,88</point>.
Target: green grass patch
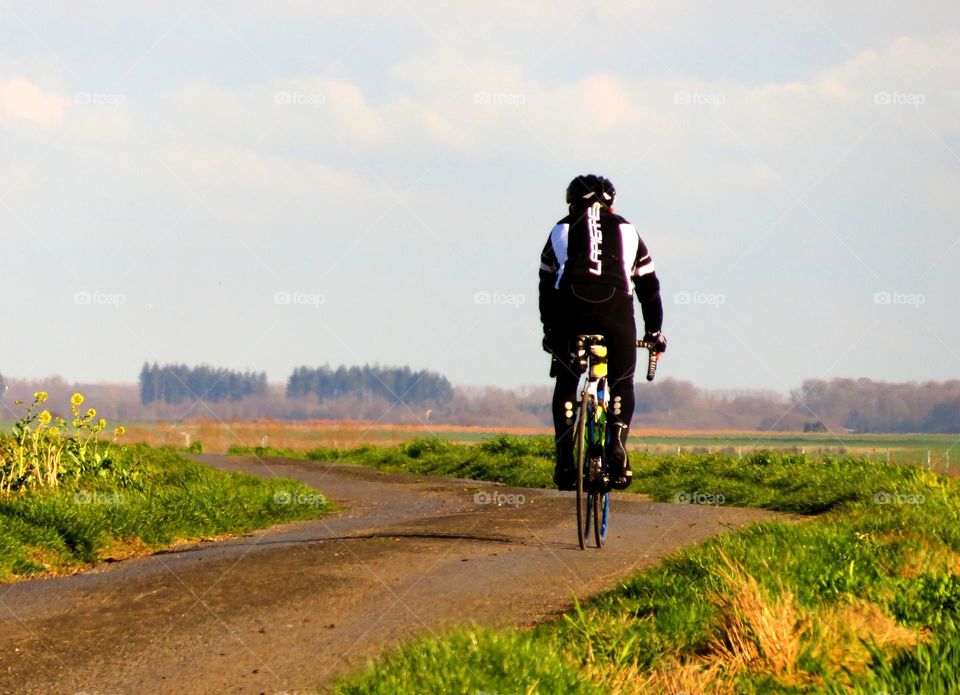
<point>170,498</point>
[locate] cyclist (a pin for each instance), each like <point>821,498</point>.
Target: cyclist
<point>591,261</point>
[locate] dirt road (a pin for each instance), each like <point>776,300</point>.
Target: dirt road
<point>289,609</point>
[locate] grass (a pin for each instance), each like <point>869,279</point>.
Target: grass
<point>171,499</point>
<point>862,596</point>
<point>770,480</point>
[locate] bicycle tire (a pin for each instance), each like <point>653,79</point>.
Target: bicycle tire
<point>583,509</point>
<point>601,515</point>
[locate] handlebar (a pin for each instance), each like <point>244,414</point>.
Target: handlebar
<point>652,361</point>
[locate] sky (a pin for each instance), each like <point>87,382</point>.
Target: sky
<point>268,185</point>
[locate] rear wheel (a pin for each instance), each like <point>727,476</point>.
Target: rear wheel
<point>582,453</point>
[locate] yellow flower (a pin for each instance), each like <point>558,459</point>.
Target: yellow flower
<point>45,417</point>
<point>91,413</point>
<point>54,432</point>
<point>76,399</point>
<point>119,431</point>
<point>101,423</point>
<point>40,396</point>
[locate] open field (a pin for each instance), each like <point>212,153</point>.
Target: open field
<point>862,595</point>
<point>219,437</point>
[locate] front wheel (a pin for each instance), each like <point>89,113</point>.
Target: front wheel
<point>601,514</point>
<point>583,504</point>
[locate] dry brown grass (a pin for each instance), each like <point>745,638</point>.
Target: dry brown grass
<point>841,629</point>
<point>767,633</point>
<point>758,632</point>
<point>688,678</point>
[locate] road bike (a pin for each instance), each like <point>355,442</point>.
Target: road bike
<point>592,436</point>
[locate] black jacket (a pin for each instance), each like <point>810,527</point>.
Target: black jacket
<point>594,249</point>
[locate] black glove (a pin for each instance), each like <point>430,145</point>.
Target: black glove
<point>658,339</point>
<point>552,343</point>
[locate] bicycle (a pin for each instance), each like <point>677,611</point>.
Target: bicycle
<point>591,436</point>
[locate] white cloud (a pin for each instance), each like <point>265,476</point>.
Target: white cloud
<point>22,100</point>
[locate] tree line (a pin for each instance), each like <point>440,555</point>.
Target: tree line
<point>176,383</point>
<point>392,384</point>
<point>863,405</point>
<point>855,405</point>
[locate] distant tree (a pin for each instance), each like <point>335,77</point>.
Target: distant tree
<point>863,405</point>
<point>176,383</point>
<point>393,384</point>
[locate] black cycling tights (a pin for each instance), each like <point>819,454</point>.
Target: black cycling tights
<point>609,313</point>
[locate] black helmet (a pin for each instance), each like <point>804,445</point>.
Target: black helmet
<point>587,189</point>
<point>582,191</point>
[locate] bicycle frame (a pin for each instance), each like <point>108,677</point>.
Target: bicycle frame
<point>593,476</point>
